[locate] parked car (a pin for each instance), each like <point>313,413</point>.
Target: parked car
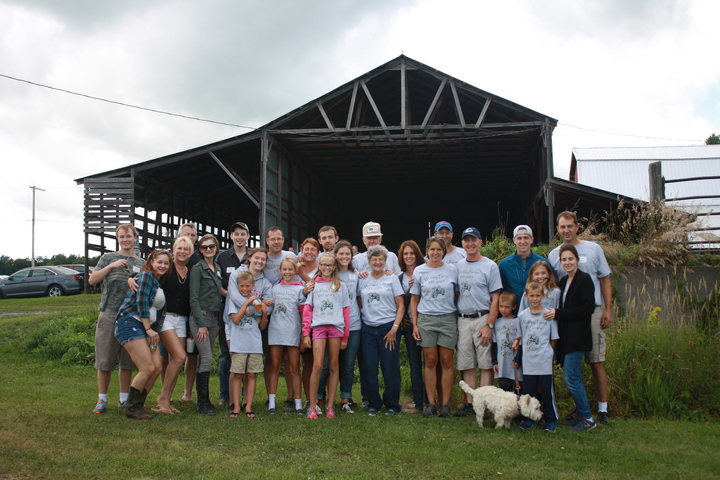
<point>41,281</point>
<point>78,267</point>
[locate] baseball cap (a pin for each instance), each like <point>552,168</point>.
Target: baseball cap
<point>472,231</point>
<point>443,224</point>
<point>371,229</point>
<point>522,230</point>
<point>239,225</point>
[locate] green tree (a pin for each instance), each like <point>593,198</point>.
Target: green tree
<point>713,139</point>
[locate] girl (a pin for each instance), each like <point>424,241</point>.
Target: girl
<point>541,272</point>
<point>285,331</point>
<point>139,320</point>
<point>205,305</point>
<point>327,314</point>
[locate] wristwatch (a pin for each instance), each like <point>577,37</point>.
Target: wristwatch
<point>491,325</point>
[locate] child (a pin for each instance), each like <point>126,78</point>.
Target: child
<point>245,344</point>
<point>504,334</point>
<point>538,337</point>
<point>327,315</point>
<point>285,331</point>
<point>541,272</point>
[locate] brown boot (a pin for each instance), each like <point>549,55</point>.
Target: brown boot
<point>135,404</point>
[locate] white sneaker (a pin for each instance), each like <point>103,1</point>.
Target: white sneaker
<point>318,410</point>
<point>346,408</point>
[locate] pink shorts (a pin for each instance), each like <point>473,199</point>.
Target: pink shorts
<point>326,331</point>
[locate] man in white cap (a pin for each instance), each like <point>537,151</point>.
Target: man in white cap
<point>515,268</point>
<point>454,254</point>
<point>373,236</point>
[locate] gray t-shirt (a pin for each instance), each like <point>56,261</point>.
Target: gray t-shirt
<point>476,281</point>
<point>455,256</point>
<point>592,262</point>
<point>378,299</point>
<point>551,300</point>
<point>245,337</point>
<point>272,267</point>
<point>360,262</point>
<point>504,334</point>
<point>114,285</point>
<point>350,279</point>
<point>535,335</point>
<point>285,327</point>
<point>436,287</point>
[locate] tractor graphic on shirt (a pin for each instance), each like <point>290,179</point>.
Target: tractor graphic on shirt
<point>326,305</point>
<point>373,297</point>
<point>464,287</point>
<point>438,292</point>
<point>280,308</point>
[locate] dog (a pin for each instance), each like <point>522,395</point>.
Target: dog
<point>503,405</point>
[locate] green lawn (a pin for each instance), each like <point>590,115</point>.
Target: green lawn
<point>47,431</point>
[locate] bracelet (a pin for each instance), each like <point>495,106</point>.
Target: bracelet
<point>396,325</point>
<point>148,329</point>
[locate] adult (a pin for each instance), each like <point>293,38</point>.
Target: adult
<point>434,318</point>
<point>189,230</point>
<point>328,237</point>
<point>113,270</point>
<point>514,269</point>
<point>593,262</point>
<point>411,257</point>
<point>383,308</point>
<point>139,319</point>
<point>372,235</point>
<point>454,254</point>
<point>577,303</point>
<point>206,305</point>
<point>307,260</point>
<point>229,260</point>
<point>480,287</point>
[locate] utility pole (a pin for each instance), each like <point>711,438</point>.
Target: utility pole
<point>32,259</point>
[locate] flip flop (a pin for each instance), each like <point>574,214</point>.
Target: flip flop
<point>250,414</point>
<point>234,414</point>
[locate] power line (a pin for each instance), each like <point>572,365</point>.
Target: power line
<point>124,104</point>
<point>630,135</point>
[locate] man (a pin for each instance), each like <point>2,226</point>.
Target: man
<point>229,260</point>
<point>328,237</point>
<point>594,263</point>
<point>480,287</point>
<point>190,230</point>
<point>373,236</point>
<point>113,270</point>
<point>514,269</point>
<point>275,240</point>
<point>454,254</point>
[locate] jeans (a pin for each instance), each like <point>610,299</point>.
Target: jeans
<point>374,353</point>
<point>414,353</point>
<point>572,374</point>
<point>347,368</point>
<point>224,362</point>
<point>205,348</point>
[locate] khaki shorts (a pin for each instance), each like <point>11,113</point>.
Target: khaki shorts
<point>470,354</point>
<point>597,354</point>
<point>107,349</point>
<point>438,330</point>
<point>246,363</point>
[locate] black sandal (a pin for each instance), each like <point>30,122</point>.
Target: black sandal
<point>250,414</point>
<point>234,414</point>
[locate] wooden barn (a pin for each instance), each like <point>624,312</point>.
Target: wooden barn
<point>404,145</point>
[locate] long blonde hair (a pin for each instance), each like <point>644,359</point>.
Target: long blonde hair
<point>550,285</point>
<point>336,282</point>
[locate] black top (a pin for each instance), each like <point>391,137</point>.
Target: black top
<point>177,293</point>
<point>228,258</point>
<point>574,314</point>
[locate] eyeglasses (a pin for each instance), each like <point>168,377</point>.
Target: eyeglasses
<point>208,247</point>
<point>326,265</point>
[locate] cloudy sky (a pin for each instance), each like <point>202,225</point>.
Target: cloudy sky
<point>613,72</point>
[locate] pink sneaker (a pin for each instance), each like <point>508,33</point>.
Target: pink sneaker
<point>312,415</point>
<point>330,412</point>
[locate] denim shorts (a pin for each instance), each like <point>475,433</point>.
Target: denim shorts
<point>128,328</point>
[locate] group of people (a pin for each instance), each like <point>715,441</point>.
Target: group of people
<point>322,311</point>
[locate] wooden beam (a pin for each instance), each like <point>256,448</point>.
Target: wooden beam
<point>434,103</point>
<point>403,94</point>
<point>483,113</point>
<point>238,181</point>
<point>352,106</point>
<point>458,108</point>
<point>328,122</point>
<point>374,107</point>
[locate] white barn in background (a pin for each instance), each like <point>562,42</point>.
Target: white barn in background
<point>692,178</point>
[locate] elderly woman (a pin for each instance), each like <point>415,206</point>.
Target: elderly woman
<point>383,309</point>
<point>434,318</point>
<point>206,306</point>
<point>139,320</point>
<point>577,303</point>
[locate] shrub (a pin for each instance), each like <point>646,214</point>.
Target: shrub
<point>69,338</point>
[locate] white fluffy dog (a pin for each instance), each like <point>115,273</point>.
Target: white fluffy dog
<point>503,405</point>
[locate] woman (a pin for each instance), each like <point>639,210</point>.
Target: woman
<point>307,268</point>
<point>205,306</point>
<point>174,330</point>
<point>383,309</point>
<point>434,318</point>
<point>410,257</point>
<point>577,303</point>
<point>139,319</point>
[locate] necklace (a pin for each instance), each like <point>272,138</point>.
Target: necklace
<point>181,280</point>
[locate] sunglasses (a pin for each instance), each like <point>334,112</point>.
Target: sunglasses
<point>208,247</point>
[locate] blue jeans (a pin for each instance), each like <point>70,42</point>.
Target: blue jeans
<point>414,353</point>
<point>572,374</point>
<point>224,362</point>
<point>375,353</point>
<point>347,368</point>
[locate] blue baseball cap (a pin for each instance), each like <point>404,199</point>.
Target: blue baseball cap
<point>472,231</point>
<point>443,224</point>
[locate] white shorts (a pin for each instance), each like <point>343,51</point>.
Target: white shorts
<point>177,323</point>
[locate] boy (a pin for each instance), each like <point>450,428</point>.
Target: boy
<point>504,334</point>
<point>538,337</point>
<point>245,344</point>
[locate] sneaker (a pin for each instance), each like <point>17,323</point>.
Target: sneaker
<point>346,408</point>
<point>550,426</point>
<point>372,412</point>
<point>352,403</point>
<point>300,411</point>
<point>330,413</point>
<point>289,406</point>
<point>307,404</point>
<point>122,404</point>
<point>223,402</point>
<point>444,411</point>
<point>364,404</point>
<point>430,411</point>
<point>583,425</point>
<point>312,415</point>
<point>318,410</point>
<point>571,420</point>
<point>271,411</point>
<point>603,418</point>
<point>465,411</point>
<point>392,411</point>
<point>525,424</point>
<point>100,407</point>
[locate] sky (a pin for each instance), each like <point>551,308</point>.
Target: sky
<point>614,73</point>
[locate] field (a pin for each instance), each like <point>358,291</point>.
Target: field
<point>48,431</point>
